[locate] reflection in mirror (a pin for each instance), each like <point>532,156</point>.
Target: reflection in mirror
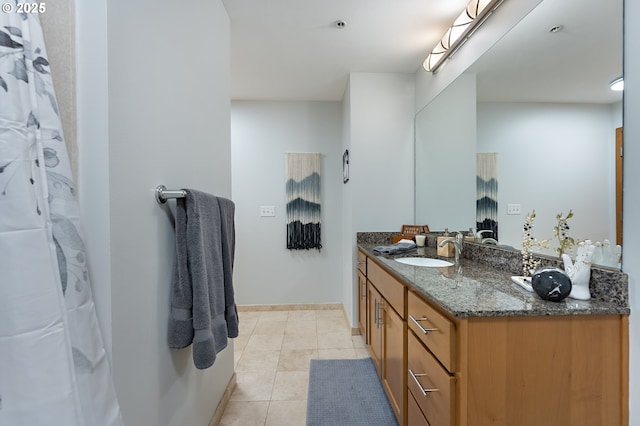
<point>540,100</point>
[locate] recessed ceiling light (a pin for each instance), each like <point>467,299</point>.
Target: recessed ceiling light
<point>555,29</point>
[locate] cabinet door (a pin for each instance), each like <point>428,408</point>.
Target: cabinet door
<point>362,306</point>
<point>393,360</point>
<point>376,313</point>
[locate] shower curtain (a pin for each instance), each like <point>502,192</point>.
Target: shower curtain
<point>53,365</point>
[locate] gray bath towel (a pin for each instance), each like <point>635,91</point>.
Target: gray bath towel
<point>203,311</point>
<point>395,248</point>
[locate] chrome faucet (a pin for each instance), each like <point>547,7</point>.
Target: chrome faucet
<point>490,241</point>
<point>480,234</point>
<point>457,242</point>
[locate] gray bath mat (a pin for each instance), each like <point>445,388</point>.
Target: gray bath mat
<point>347,393</point>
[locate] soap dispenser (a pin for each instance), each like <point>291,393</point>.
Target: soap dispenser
<point>471,236</point>
<point>449,249</point>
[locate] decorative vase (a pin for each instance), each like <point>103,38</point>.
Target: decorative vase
<point>551,284</point>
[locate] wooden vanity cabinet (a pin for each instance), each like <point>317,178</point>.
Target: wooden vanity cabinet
<point>518,370</point>
<point>387,335</point>
<point>439,370</point>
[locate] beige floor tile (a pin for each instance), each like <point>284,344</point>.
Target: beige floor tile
<point>258,361</point>
<point>300,341</point>
<point>269,327</point>
<point>245,328</point>
<point>362,353</point>
<point>290,385</point>
<point>337,353</point>
<point>289,413</point>
<point>301,327</point>
<point>335,340</point>
<point>240,342</point>
<point>264,342</point>
<point>331,325</point>
<point>240,413</point>
<point>249,315</point>
<point>358,341</point>
<point>236,358</point>
<point>297,359</point>
<point>274,315</point>
<point>330,314</point>
<point>302,316</point>
<point>253,385</point>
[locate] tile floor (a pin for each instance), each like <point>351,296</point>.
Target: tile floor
<point>272,356</point>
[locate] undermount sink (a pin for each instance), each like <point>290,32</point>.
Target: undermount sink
<point>424,261</point>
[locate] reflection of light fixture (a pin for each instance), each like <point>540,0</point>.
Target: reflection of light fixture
<point>617,84</point>
<point>469,20</point>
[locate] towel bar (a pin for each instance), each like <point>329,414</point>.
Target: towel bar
<point>163,194</point>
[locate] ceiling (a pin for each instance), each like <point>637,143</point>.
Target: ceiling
<point>293,49</point>
<point>575,64</point>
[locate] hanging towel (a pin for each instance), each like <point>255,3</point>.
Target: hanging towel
<point>203,311</point>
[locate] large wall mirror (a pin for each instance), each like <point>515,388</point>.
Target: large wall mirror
<point>539,100</point>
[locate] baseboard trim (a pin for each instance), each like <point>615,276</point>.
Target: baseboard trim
<point>292,307</point>
<point>217,415</point>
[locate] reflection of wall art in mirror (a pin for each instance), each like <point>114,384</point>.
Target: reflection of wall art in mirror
<point>487,189</point>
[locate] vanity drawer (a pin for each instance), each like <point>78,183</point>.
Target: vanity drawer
<point>433,329</point>
<point>414,415</point>
<point>362,263</point>
<point>429,384</point>
<point>390,288</point>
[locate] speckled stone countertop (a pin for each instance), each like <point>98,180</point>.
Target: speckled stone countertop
<point>475,289</point>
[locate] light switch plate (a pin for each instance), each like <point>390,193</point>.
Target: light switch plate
<point>513,209</point>
<point>267,211</point>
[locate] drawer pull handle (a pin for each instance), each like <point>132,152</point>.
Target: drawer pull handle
<point>425,392</point>
<point>424,330</point>
<point>375,312</point>
<point>381,317</point>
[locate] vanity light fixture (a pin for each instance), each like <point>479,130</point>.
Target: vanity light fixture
<point>476,12</point>
<point>617,85</point>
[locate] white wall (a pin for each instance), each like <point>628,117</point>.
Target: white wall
<point>380,142</point>
<point>552,158</point>
<point>445,158</point>
<point>631,227</point>
<point>266,271</point>
<point>153,109</point>
<point>349,295</point>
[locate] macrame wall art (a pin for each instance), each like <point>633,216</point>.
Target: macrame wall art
<point>303,201</point>
<point>487,193</point>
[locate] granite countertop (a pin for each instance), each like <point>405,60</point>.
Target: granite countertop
<point>473,289</point>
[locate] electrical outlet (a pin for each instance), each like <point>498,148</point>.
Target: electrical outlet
<point>513,208</point>
<point>267,211</point>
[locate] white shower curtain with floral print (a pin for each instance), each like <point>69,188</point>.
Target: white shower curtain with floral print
<point>53,365</point>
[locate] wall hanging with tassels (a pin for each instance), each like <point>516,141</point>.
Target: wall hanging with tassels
<point>303,201</point>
